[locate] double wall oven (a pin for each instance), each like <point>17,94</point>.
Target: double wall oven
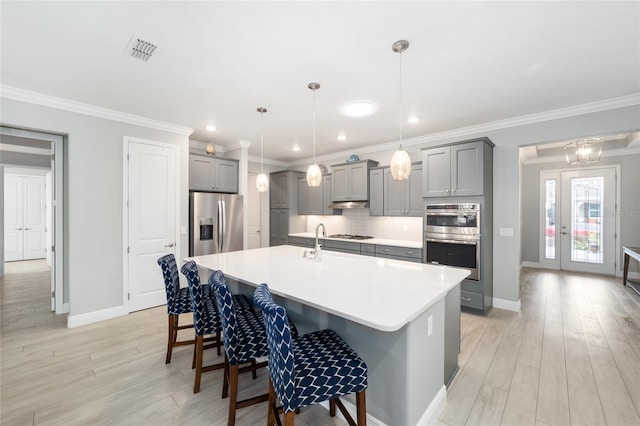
<point>452,236</point>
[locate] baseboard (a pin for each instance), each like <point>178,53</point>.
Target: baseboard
<point>508,305</point>
<point>437,406</point>
<point>430,416</point>
<point>91,317</point>
<point>527,264</point>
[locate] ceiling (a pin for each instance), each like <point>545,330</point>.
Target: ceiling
<point>216,62</point>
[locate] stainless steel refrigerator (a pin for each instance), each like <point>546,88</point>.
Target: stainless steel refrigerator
<point>215,223</point>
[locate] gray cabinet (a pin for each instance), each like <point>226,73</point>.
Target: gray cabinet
<point>315,200</point>
<point>350,181</point>
<point>376,192</point>
<point>309,198</point>
<point>302,242</point>
<point>283,200</point>
<point>399,253</point>
<point>342,246</point>
<point>213,174</point>
<point>403,197</point>
<point>454,170</point>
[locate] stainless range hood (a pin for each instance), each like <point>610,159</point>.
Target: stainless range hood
<point>349,205</point>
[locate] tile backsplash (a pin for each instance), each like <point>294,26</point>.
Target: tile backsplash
<point>358,221</point>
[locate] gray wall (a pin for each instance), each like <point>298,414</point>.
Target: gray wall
<point>94,177</point>
<point>628,206</point>
<point>93,204</point>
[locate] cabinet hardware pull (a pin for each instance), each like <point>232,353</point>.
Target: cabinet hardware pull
<point>409,252</point>
<point>466,299</point>
<point>169,245</point>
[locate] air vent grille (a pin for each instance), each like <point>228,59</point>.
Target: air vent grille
<point>141,49</point>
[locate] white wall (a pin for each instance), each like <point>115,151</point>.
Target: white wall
<point>93,204</point>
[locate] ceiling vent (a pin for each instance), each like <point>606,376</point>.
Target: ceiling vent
<point>140,49</point>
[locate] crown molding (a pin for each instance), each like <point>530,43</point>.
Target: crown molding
<point>197,146</point>
<point>463,132</point>
<point>86,109</point>
<point>254,159</point>
<point>238,145</point>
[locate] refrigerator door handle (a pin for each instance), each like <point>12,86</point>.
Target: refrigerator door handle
<point>224,226</point>
<point>219,226</point>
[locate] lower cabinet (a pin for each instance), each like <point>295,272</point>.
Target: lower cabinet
<point>301,242</point>
<point>399,253</point>
<point>342,246</point>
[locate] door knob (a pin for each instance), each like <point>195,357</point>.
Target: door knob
<point>169,245</point>
<point>18,229</point>
<point>27,229</point>
<point>564,233</point>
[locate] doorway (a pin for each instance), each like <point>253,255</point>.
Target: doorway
<point>578,218</point>
<point>44,151</point>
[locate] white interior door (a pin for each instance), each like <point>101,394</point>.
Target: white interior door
<point>152,219</point>
<point>34,222</point>
<point>588,221</point>
<point>49,220</point>
<point>13,218</point>
<point>254,225</point>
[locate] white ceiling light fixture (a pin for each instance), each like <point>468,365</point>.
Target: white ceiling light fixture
<point>262,181</point>
<point>358,109</point>
<point>295,148</point>
<point>584,151</point>
<point>342,137</point>
<point>400,161</point>
<point>314,174</point>
<point>211,128</point>
<point>413,119</point>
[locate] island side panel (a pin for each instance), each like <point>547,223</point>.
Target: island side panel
<point>406,367</point>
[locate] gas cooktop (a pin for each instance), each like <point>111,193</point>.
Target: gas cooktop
<point>350,236</point>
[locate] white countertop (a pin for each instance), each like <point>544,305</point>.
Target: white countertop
<point>378,241</point>
<point>380,293</point>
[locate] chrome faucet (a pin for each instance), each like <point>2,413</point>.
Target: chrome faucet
<point>317,254</point>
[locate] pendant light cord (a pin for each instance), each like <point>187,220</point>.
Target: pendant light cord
<point>400,54</point>
<point>314,126</point>
<point>261,142</point>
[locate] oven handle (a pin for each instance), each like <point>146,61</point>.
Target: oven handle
<point>462,213</point>
<point>436,240</point>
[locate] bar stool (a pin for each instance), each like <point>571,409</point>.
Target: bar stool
<point>178,302</point>
<point>206,318</point>
<point>312,368</point>
<point>244,341</point>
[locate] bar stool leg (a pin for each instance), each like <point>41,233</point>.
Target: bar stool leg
<point>332,407</point>
<point>199,349</point>
<point>170,339</point>
<point>361,407</point>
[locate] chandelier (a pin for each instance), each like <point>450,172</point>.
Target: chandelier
<point>583,151</point>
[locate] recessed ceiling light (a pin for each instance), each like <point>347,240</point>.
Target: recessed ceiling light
<point>211,128</point>
<point>295,148</point>
<point>358,109</point>
<point>342,138</point>
<point>413,119</point>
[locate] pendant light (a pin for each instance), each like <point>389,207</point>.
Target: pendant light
<point>400,162</point>
<point>262,181</point>
<point>314,174</point>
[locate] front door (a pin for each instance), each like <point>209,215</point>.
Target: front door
<point>152,219</point>
<point>588,227</point>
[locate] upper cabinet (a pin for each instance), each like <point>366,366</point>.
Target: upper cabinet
<point>403,197</point>
<point>376,192</point>
<point>309,197</point>
<point>350,181</point>
<point>213,174</point>
<point>456,170</point>
<point>279,195</point>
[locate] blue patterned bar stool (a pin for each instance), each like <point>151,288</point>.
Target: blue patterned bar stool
<point>178,302</point>
<point>310,369</point>
<point>206,318</point>
<point>244,341</point>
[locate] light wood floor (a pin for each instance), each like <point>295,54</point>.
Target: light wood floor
<point>570,357</point>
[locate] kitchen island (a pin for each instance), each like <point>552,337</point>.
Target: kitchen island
<point>391,312</point>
